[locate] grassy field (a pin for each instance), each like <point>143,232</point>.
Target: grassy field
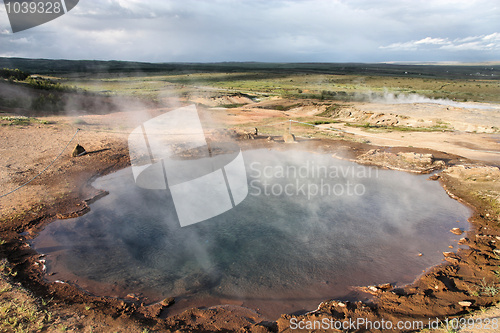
<point>319,86</point>
<point>479,83</point>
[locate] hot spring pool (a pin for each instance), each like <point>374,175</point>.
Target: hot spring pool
<point>311,227</point>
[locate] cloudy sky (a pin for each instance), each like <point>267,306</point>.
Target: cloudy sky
<point>264,30</point>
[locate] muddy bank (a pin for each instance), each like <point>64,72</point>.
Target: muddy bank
<point>467,277</point>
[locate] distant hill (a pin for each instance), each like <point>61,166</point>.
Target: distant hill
<point>61,67</point>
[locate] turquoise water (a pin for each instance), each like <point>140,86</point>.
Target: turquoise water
<point>310,228</point>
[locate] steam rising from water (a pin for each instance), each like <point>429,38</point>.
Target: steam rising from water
<point>288,249</point>
<point>393,98</point>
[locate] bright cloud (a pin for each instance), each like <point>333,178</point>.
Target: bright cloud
<point>471,43</point>
<point>20,41</point>
<point>429,40</point>
<point>262,30</point>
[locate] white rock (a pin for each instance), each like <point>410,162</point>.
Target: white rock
<point>465,303</point>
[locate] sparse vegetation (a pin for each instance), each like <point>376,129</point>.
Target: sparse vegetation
<point>13,74</point>
<point>19,312</point>
<point>48,102</point>
<point>315,81</point>
<point>488,289</point>
<point>322,122</point>
<point>79,121</point>
<point>489,198</point>
<point>47,84</point>
<point>331,110</point>
<point>232,106</point>
<point>435,128</point>
<point>37,82</point>
<point>21,121</point>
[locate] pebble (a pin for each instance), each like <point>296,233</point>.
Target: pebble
<point>168,301</point>
<point>457,231</point>
<point>385,286</point>
<point>465,303</point>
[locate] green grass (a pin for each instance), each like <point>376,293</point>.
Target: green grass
<point>490,199</point>
<point>488,289</point>
<point>232,106</point>
<point>331,110</point>
<point>436,128</point>
<point>283,82</point>
<point>289,85</point>
<point>18,311</point>
<point>285,107</point>
<point>352,87</point>
<point>47,84</point>
<point>21,121</point>
<point>323,122</point>
<point>303,80</point>
<point>79,121</point>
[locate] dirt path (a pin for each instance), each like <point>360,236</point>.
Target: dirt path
<point>474,146</point>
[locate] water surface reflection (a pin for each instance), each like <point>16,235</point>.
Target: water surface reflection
<point>296,240</point>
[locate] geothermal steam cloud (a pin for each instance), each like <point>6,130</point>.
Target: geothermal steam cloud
<point>171,152</point>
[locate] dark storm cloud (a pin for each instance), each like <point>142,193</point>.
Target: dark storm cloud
<point>300,30</point>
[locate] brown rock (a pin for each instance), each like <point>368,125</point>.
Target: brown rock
<point>167,301</point>
<point>78,151</point>
<point>133,296</point>
<point>417,158</point>
<point>434,177</point>
<point>288,138</point>
<point>451,260</point>
<point>457,231</point>
<point>451,257</point>
<point>152,311</point>
<point>385,286</point>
